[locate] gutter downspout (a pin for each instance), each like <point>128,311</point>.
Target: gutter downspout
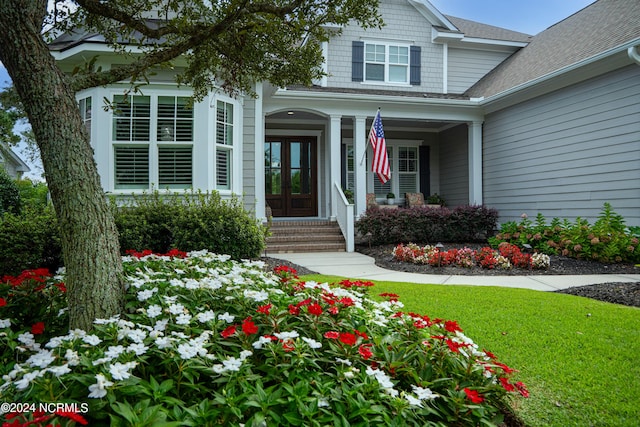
<point>634,54</point>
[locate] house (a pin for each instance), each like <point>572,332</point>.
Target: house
<point>479,114</point>
<point>11,163</point>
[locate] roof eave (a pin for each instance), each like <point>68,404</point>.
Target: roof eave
<point>545,80</point>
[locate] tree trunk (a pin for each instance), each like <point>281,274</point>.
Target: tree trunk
<point>89,237</point>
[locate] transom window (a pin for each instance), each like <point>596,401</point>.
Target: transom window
<point>386,63</point>
<point>163,157</point>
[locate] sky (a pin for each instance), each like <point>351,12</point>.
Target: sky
<point>530,17</point>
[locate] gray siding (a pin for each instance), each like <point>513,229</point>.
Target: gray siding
<point>402,23</point>
<point>454,166</point>
<point>567,153</point>
<point>467,66</point>
<point>248,154</point>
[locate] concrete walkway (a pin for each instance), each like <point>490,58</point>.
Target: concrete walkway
<point>355,265</point>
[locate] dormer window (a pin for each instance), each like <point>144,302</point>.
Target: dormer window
<point>385,63</point>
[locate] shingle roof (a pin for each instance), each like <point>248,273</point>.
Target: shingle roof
<point>484,31</point>
<point>601,26</point>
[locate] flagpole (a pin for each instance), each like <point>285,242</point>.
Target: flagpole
<point>364,154</point>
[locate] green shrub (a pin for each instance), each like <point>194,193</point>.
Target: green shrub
<point>607,240</point>
<point>9,194</point>
<point>193,221</point>
<point>30,240</point>
<point>427,225</point>
<point>32,193</point>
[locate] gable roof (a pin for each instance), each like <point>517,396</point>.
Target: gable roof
<point>8,155</point>
<point>598,28</point>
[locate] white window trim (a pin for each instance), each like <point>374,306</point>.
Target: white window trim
<point>235,147</point>
<point>152,143</point>
<point>387,44</point>
<point>395,182</point>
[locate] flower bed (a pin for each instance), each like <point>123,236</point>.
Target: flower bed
<point>505,257</point>
<point>206,340</point>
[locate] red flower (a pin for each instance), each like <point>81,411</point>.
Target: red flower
<point>365,352</point>
<point>61,286</point>
<point>452,326</point>
<point>522,389</point>
<point>248,327</point>
<point>230,330</point>
<point>346,301</point>
<point>361,334</point>
<point>334,310</point>
<point>37,328</point>
<point>332,335</point>
<point>473,395</point>
<point>506,384</point>
<point>3,302</point>
<point>73,416</point>
<point>315,309</point>
<point>264,309</point>
<point>347,338</point>
<point>288,346</point>
<point>392,297</point>
<point>294,310</point>
<point>489,354</point>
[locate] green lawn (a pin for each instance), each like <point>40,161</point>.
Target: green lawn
<point>580,358</point>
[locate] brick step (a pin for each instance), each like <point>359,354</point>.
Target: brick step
<point>292,236</point>
<point>305,247</point>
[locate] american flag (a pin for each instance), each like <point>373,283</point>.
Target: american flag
<point>380,164</point>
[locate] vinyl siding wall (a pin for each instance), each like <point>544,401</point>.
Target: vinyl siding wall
<point>403,24</point>
<point>248,154</point>
<point>454,166</point>
<point>567,153</point>
<point>467,66</point>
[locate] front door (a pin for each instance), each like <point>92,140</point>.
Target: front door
<point>290,176</point>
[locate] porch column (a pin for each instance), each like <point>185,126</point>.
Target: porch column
<point>475,163</point>
<point>334,162</point>
<point>359,148</point>
<point>258,125</point>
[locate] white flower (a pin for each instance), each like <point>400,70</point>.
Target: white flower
<point>27,339</point>
<point>114,351</point>
<point>413,401</point>
<point>206,316</point>
<point>187,350</point>
<point>226,317</point>
<point>163,342</point>
<point>287,335</point>
<point>98,390</point>
<point>138,348</point>
<point>136,335</point>
<point>154,311</point>
<point>312,343</point>
<point>183,319</point>
<point>343,361</point>
<point>5,323</point>
<point>245,353</point>
<point>26,380</point>
<point>59,370</point>
<point>261,342</point>
<point>146,294</point>
<point>120,371</point>
<point>161,325</point>
<point>42,359</point>
<point>176,308</point>
<point>424,393</point>
<point>256,295</point>
<point>92,340</point>
<point>323,402</point>
<point>72,357</point>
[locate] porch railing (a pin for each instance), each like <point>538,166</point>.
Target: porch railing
<point>345,217</point>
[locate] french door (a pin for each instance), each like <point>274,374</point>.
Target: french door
<point>291,176</point>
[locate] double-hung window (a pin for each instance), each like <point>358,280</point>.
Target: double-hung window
<point>386,63</point>
<point>392,63</point>
<point>152,149</point>
<point>224,142</point>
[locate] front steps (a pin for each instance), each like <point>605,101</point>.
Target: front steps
<point>290,236</point>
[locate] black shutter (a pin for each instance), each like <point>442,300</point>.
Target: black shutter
<point>357,61</point>
<point>414,69</point>
<point>425,173</point>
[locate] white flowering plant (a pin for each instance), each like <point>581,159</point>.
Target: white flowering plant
<point>209,341</point>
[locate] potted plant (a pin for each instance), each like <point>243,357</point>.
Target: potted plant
<point>391,198</point>
<point>435,200</point>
